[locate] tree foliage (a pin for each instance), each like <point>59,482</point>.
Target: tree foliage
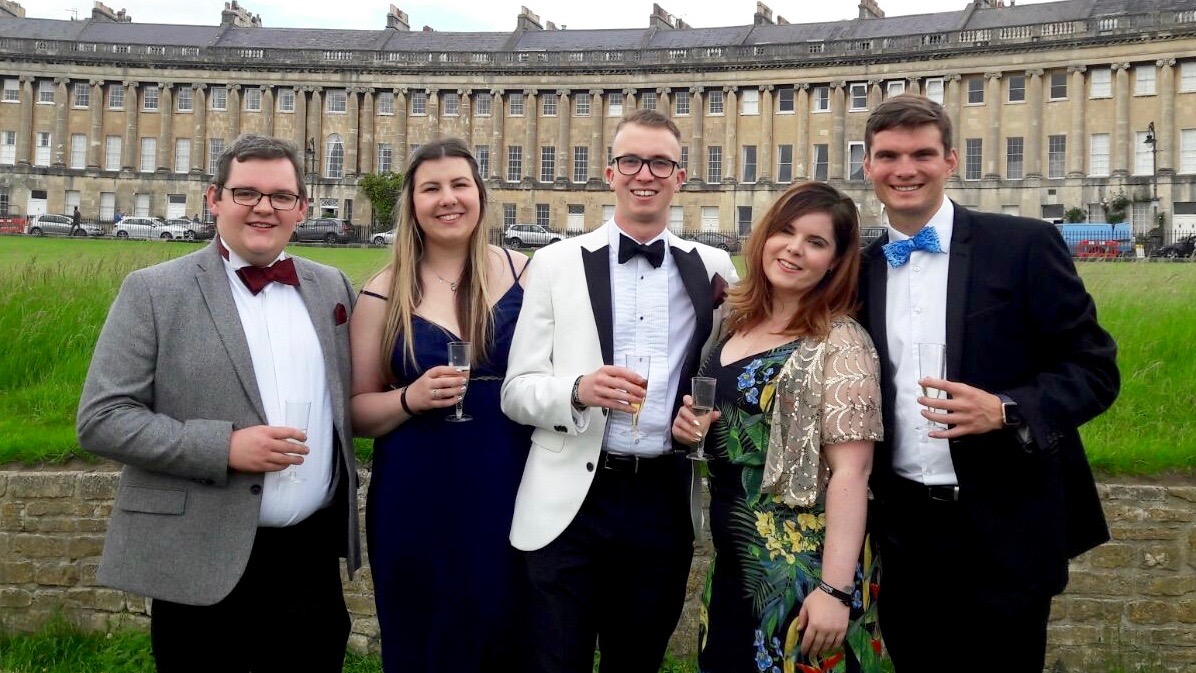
<point>382,189</point>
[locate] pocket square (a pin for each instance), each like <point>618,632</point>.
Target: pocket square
<point>341,314</point>
<point>718,290</point>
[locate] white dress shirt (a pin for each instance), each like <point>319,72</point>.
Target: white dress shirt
<point>916,312</point>
<point>288,364</point>
<point>653,315</point>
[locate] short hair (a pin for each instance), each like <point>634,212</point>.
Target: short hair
<point>650,119</point>
<point>908,111</point>
<point>253,146</point>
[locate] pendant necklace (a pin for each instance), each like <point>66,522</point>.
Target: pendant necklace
<point>452,284</point>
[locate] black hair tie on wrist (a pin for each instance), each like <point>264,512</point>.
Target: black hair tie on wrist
<point>838,594</point>
<point>403,401</point>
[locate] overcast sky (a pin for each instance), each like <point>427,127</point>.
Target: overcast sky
<point>484,15</point>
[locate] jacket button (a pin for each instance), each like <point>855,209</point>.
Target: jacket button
<point>589,467</point>
<point>255,489</point>
<point>603,411</point>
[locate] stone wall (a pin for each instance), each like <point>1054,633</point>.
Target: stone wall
<point>1131,603</point>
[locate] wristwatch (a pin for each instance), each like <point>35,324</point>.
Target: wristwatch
<point>1011,416</point>
<point>575,396</point>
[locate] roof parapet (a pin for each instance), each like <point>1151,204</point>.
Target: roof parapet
<point>397,19</point>
<point>102,12</point>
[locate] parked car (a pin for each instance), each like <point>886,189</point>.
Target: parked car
<point>384,238</point>
<point>196,231</point>
<point>148,227</point>
<point>530,236</point>
<point>717,240</point>
<point>60,225</point>
<point>1097,239</point>
<point>1183,247</point>
<point>326,229</point>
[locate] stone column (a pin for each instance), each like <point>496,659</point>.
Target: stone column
<point>1121,151</point>
<point>912,85</point>
<point>875,94</point>
<point>132,149</point>
<point>1165,130</point>
<point>199,136</point>
<point>1033,150</point>
<point>628,100</point>
<point>61,146</point>
<point>400,155</point>
<point>597,144</point>
<point>531,136</point>
<point>498,154</point>
<point>663,104</point>
<point>953,96</point>
<point>992,135</point>
<point>465,110</point>
<point>764,159</point>
<point>564,149</point>
<point>25,150</point>
<point>433,113</point>
<point>1075,134</point>
<point>835,169</point>
<point>166,128</point>
<point>315,121</point>
<point>730,135</point>
<point>268,109</point>
<point>801,142</point>
<point>365,142</point>
<point>97,123</point>
<point>352,110</point>
<point>234,112</point>
<point>697,150</point>
<point>300,131</point>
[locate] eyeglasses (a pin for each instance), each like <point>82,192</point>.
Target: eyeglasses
<point>245,196</point>
<point>630,164</point>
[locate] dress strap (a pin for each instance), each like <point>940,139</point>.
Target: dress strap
<point>375,295</point>
<point>511,262</point>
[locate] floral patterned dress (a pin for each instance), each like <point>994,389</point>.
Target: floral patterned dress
<point>768,555</point>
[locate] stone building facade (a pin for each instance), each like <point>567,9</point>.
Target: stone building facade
<point>1059,105</point>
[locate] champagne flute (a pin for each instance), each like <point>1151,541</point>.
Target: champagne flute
<point>642,365</point>
<point>932,363</point>
<point>460,355</point>
<point>702,390</point>
<point>295,413</point>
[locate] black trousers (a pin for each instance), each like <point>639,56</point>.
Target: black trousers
<point>287,613</point>
<point>616,576</point>
<point>941,610</point>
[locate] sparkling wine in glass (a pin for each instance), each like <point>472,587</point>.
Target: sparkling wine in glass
<point>460,354</point>
<point>932,363</point>
<point>702,390</point>
<point>295,414</point>
<point>642,365</point>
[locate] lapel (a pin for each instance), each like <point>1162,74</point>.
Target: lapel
<point>958,272</point>
<point>697,284</point>
<point>213,285</point>
<point>320,312</point>
<point>597,269</point>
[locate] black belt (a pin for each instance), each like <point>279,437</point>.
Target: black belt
<point>907,489</point>
<point>636,465</point>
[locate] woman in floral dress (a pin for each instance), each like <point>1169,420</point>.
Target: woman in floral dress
<point>793,582</point>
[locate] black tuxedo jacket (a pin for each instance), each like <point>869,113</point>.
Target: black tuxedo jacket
<point>1020,323</point>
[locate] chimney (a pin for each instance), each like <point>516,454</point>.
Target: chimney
<point>782,21</point>
<point>528,20</point>
<point>763,15</point>
<point>870,10</point>
<point>989,4</point>
<point>102,12</point>
<point>397,19</point>
<point>662,19</point>
<point>236,15</point>
<point>11,9</point>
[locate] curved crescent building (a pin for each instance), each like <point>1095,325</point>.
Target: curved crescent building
<point>1057,106</point>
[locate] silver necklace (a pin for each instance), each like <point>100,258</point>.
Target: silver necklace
<point>452,285</point>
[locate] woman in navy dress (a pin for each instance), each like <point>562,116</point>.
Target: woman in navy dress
<point>441,494</point>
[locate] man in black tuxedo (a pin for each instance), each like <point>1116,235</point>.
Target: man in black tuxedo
<point>976,519</point>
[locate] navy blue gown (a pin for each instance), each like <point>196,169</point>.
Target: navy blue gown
<point>439,513</point>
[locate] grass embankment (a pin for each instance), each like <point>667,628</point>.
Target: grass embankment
<point>56,292</point>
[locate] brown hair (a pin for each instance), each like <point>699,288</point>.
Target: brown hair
<point>253,146</point>
<point>834,296</point>
<point>651,119</point>
<point>908,111</point>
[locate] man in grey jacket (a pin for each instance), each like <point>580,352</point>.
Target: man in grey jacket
<point>232,511</point>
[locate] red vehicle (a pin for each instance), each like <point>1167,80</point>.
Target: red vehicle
<point>1097,249</point>
<point>12,224</point>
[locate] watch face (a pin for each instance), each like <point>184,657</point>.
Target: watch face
<point>1012,416</point>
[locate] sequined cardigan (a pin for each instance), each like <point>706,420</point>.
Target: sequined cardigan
<point>827,393</point>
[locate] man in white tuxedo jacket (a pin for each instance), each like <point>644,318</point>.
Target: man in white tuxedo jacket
<point>606,516</point>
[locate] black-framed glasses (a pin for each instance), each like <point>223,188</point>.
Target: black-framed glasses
<point>246,196</point>
<point>630,164</point>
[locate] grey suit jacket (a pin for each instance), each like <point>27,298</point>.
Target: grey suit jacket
<point>170,380</point>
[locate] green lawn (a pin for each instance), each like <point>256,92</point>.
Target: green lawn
<point>56,293</point>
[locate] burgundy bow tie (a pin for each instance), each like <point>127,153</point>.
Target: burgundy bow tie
<point>256,277</point>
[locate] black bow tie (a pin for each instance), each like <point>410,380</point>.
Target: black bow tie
<point>653,252</point>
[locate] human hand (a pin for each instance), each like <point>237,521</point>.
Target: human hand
<point>612,387</point>
<point>688,428</point>
<point>264,448</point>
<point>966,409</point>
<point>438,388</point>
<point>823,623</point>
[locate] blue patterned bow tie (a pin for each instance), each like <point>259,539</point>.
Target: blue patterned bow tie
<point>898,252</point>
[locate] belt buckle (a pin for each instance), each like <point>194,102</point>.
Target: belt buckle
<point>620,463</point>
<point>935,493</point>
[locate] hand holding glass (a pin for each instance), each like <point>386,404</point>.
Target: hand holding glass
<point>702,391</point>
<point>642,365</point>
<point>295,414</point>
<point>932,363</point>
<point>460,354</point>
